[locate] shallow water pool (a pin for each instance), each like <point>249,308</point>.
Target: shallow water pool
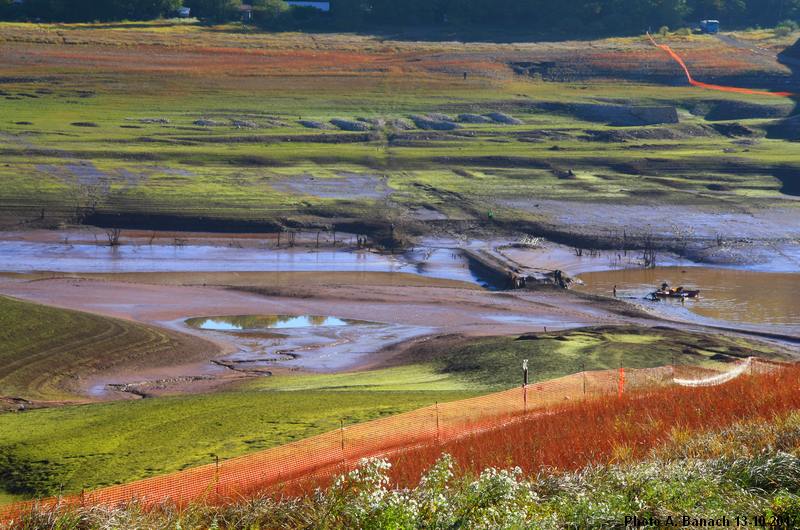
<point>261,322</point>
<point>725,294</point>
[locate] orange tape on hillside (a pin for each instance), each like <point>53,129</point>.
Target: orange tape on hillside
<point>721,88</point>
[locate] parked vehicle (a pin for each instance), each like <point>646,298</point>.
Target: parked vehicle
<point>710,27</point>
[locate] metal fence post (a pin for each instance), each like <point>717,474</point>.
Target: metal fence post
<point>341,430</point>
<point>525,399</point>
<point>438,437</point>
<point>525,386</point>
<point>216,475</point>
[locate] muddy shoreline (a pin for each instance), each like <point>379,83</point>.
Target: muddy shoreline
<point>430,290</point>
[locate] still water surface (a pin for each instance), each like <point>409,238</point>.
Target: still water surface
<point>257,322</point>
<point>725,294</point>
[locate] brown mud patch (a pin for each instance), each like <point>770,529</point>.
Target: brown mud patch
<point>428,308</point>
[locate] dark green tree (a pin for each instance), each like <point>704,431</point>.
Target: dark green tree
<point>217,10</point>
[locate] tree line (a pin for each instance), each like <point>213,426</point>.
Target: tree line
<point>570,17</point>
<point>87,10</point>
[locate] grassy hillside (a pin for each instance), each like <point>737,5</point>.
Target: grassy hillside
<point>46,353</point>
<point>94,445</point>
<point>496,362</point>
<point>747,469</point>
<point>42,451</point>
<point>208,129</point>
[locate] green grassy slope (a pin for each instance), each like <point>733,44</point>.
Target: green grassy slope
<point>46,351</point>
<point>96,445</point>
<point>83,139</point>
<point>743,475</point>
<point>497,362</point>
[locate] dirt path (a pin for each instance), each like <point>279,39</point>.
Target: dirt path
<point>768,57</point>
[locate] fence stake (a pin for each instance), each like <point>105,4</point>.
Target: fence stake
<point>344,460</point>
<point>438,440</point>
<point>525,386</point>
<point>216,475</point>
<point>525,399</point>
<point>583,370</point>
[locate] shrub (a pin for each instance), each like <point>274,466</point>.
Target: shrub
<point>270,13</point>
<point>787,27</point>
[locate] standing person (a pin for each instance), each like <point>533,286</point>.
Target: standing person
<point>465,76</point>
<point>615,291</point>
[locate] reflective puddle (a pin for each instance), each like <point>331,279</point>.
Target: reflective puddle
<point>263,322</point>
<point>310,342</point>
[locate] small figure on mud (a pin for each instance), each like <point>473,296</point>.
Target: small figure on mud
<point>615,291</point>
<point>558,278</point>
<point>664,286</point>
<point>465,76</point>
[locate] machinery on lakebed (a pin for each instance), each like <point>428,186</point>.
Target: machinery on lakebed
<point>673,292</point>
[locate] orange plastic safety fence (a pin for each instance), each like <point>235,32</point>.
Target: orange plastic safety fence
<point>737,90</point>
<point>320,457</point>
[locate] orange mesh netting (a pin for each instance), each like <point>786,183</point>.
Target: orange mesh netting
<point>323,456</point>
<point>693,82</point>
